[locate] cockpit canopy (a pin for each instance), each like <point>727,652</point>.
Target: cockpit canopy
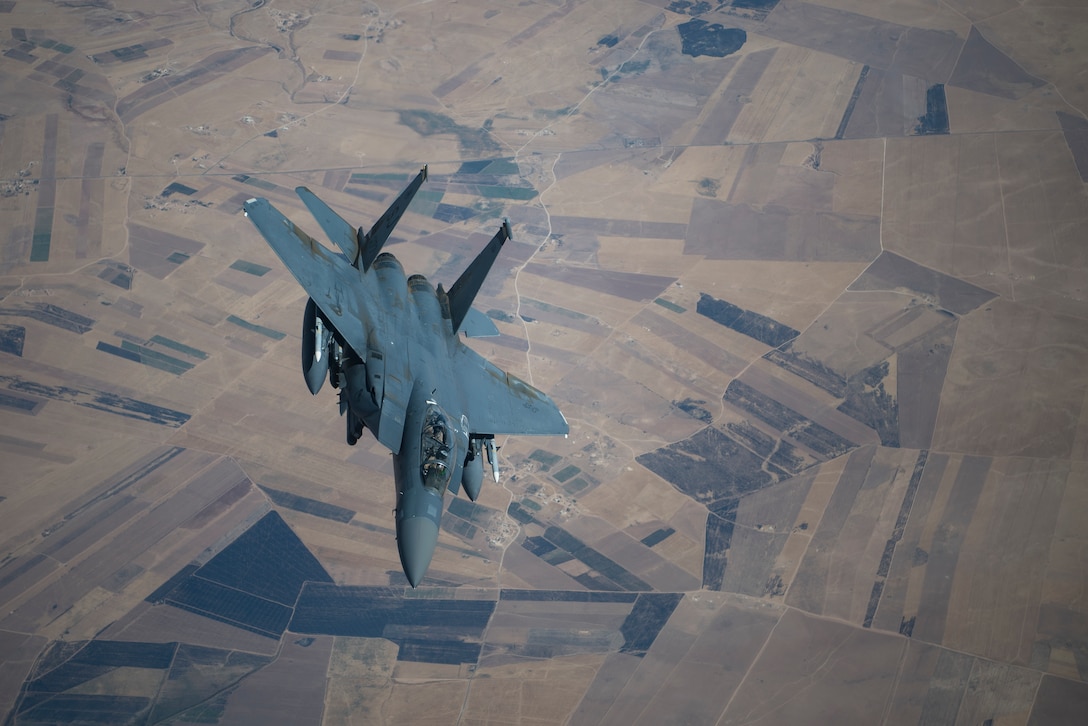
<point>437,449</point>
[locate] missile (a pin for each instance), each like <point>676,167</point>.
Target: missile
<point>493,458</point>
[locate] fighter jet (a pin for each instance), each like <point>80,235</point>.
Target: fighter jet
<point>390,344</point>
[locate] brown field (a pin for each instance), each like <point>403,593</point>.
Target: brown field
<point>814,309</point>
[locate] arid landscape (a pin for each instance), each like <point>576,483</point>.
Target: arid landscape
<point>809,280</point>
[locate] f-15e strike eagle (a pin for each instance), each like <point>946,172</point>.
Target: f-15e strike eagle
<point>390,345</point>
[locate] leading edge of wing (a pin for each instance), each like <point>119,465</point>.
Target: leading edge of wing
<point>500,403</point>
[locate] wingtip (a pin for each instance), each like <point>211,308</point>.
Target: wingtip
<point>247,204</point>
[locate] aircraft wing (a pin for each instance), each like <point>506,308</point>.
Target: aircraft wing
<point>497,402</point>
<point>332,283</point>
<point>316,268</point>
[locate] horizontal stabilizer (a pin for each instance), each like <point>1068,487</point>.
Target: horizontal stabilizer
<point>340,232</point>
<point>468,284</point>
<point>379,233</point>
<point>478,325</point>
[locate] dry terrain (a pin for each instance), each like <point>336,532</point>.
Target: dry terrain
<point>808,280</point>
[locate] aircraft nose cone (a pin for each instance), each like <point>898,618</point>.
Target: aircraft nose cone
<point>416,538</point>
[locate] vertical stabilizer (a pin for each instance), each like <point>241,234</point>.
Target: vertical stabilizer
<point>371,243</point>
<point>464,291</point>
